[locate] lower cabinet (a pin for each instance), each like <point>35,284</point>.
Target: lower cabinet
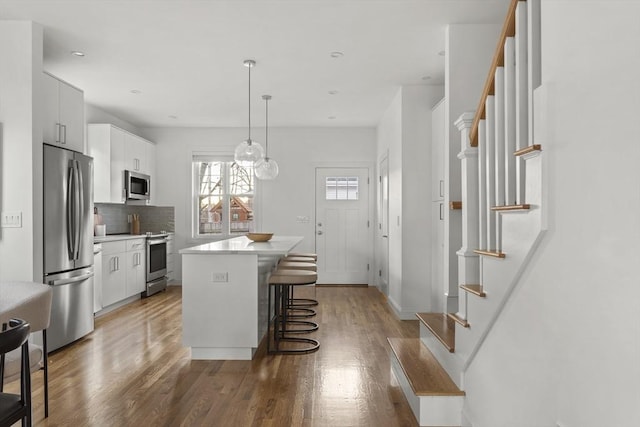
<point>123,270</point>
<point>136,270</point>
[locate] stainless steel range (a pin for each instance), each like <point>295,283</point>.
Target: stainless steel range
<point>156,263</point>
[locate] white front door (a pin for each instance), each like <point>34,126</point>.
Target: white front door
<point>342,225</point>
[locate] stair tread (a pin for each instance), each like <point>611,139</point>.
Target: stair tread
<point>486,252</point>
<point>507,208</point>
<point>474,289</point>
<point>458,319</point>
<point>442,327</point>
<point>425,375</point>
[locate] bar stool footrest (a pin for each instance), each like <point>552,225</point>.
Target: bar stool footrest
<point>315,345</point>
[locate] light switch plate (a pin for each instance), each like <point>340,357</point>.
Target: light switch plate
<point>11,219</point>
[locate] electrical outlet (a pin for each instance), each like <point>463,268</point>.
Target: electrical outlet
<point>302,219</point>
<point>11,220</point>
<point>219,277</point>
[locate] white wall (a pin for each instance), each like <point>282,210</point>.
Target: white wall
<point>567,346</point>
<point>417,102</point>
<point>297,150</point>
<point>21,149</point>
<point>404,134</point>
<point>389,143</point>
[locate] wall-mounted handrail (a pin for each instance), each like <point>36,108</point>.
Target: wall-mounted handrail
<point>508,30</point>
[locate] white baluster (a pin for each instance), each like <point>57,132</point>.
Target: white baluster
<point>510,121</point>
<point>482,184</point>
<point>522,96</point>
<point>498,84</point>
<point>491,171</point>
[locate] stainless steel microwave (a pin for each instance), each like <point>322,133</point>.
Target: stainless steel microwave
<point>137,185</point>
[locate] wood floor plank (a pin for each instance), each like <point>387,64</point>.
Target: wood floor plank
<point>133,371</point>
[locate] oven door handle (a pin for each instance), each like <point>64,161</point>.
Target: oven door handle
<point>156,242</point>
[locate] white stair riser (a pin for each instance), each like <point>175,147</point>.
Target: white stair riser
<point>429,410</point>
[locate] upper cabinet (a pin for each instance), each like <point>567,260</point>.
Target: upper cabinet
<point>136,154</point>
<point>115,150</point>
<point>63,114</point>
<point>437,154</point>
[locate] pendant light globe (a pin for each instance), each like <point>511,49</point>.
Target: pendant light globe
<point>248,150</point>
<point>266,169</point>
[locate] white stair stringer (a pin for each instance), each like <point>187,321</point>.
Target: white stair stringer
<point>522,232</point>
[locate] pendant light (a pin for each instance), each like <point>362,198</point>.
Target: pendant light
<point>248,150</point>
<point>266,168</point>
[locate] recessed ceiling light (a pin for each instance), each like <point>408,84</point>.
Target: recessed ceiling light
<point>333,92</point>
<point>337,54</point>
<point>77,53</point>
<point>441,53</point>
<point>331,117</point>
<point>136,91</point>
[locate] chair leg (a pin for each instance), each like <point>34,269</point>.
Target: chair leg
<point>25,386</point>
<point>46,373</point>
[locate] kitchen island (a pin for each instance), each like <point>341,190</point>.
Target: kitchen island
<point>225,295</point>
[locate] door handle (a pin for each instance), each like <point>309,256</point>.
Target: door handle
<point>64,133</point>
<point>319,232</point>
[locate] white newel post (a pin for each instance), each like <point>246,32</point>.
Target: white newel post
<point>468,261</point>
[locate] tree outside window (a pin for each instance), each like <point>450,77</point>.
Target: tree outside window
<point>225,194</point>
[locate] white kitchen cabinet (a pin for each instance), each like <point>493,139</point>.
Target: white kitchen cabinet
<point>123,270</point>
<point>136,153</point>
<point>136,270</point>
<point>113,272</point>
<point>63,114</point>
<point>170,255</point>
<point>437,151</point>
<point>115,150</point>
<point>106,146</point>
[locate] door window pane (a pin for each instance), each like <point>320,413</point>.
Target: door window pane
<point>342,188</point>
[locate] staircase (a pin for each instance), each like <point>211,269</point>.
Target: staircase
<point>502,224</point>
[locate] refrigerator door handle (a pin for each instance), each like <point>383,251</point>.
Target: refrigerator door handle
<point>70,214</point>
<point>80,209</point>
<point>69,280</point>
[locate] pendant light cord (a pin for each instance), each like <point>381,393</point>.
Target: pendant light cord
<point>249,103</point>
<point>266,129</point>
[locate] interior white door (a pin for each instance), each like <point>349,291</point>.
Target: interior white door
<point>383,226</point>
<point>342,225</point>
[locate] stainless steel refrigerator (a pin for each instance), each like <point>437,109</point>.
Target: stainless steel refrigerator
<point>68,243</point>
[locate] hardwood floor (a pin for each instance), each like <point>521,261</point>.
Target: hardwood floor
<point>133,371</point>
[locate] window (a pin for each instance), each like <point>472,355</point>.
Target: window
<point>224,192</point>
<point>341,188</point>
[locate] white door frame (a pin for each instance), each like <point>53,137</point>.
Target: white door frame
<point>373,188</point>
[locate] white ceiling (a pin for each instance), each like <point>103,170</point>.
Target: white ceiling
<point>185,56</point>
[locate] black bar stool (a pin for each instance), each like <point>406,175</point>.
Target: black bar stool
<point>281,281</point>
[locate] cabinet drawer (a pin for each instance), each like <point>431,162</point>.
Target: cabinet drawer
<point>135,244</point>
<point>113,247</point>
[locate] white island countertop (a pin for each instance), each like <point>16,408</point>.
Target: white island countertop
<point>278,245</point>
